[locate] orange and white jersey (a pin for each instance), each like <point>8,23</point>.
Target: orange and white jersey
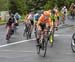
<point>44,19</point>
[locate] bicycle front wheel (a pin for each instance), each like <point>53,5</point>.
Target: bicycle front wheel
<point>45,47</point>
<point>51,39</point>
<point>73,45</point>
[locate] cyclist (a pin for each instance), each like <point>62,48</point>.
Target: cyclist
<point>25,23</point>
<point>72,10</point>
<point>26,18</point>
<point>36,17</point>
<point>64,10</point>
<point>72,7</point>
<point>17,17</point>
<point>56,14</point>
<point>10,24</point>
<point>43,23</point>
<point>30,18</point>
<point>64,13</point>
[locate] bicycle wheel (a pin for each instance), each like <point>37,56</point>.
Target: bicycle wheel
<point>24,33</point>
<point>7,37</point>
<point>51,39</point>
<point>63,19</point>
<point>35,32</point>
<point>45,46</point>
<point>38,49</point>
<point>73,45</point>
<point>9,34</point>
<point>27,36</point>
<point>72,14</point>
<point>27,33</point>
<point>41,48</point>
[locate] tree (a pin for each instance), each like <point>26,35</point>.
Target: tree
<point>4,5</point>
<point>24,6</point>
<point>18,6</point>
<point>49,5</point>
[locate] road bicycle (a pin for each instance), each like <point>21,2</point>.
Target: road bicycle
<point>43,41</point>
<point>27,31</point>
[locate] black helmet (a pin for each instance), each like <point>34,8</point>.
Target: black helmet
<point>12,15</point>
<point>53,12</point>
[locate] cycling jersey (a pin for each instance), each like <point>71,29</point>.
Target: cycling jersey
<point>30,17</point>
<point>36,17</point>
<point>53,17</point>
<point>10,21</point>
<point>44,19</point>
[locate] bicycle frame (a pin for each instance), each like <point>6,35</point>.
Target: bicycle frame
<point>43,42</point>
<point>28,30</point>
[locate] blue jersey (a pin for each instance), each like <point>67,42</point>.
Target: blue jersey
<point>36,17</point>
<point>17,16</point>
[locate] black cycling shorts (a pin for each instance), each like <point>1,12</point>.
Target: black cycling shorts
<point>32,22</point>
<point>17,18</point>
<point>58,17</point>
<point>43,26</point>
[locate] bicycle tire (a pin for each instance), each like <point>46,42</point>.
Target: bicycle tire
<point>45,47</point>
<point>27,33</point>
<point>38,49</point>
<point>27,36</point>
<point>9,34</point>
<point>24,32</point>
<point>35,34</point>
<point>72,46</point>
<point>7,37</point>
<point>51,41</point>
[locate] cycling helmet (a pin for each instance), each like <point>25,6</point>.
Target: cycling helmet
<point>46,13</point>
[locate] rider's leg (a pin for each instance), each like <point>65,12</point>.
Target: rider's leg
<point>7,29</point>
<point>38,34</point>
<point>32,25</point>
<point>56,25</point>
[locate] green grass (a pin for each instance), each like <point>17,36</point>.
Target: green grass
<point>2,22</point>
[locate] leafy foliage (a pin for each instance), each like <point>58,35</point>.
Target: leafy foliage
<point>24,6</point>
<point>4,5</point>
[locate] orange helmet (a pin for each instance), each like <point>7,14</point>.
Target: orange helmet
<point>46,13</point>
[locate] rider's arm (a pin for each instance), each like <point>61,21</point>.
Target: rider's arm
<point>34,19</point>
<point>38,23</point>
<point>50,23</point>
<point>13,22</point>
<point>40,20</point>
<point>8,23</point>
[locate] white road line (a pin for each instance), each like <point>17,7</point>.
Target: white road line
<point>19,51</point>
<point>65,35</point>
<point>16,42</point>
<point>68,35</point>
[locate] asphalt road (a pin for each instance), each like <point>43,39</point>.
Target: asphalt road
<point>25,50</point>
